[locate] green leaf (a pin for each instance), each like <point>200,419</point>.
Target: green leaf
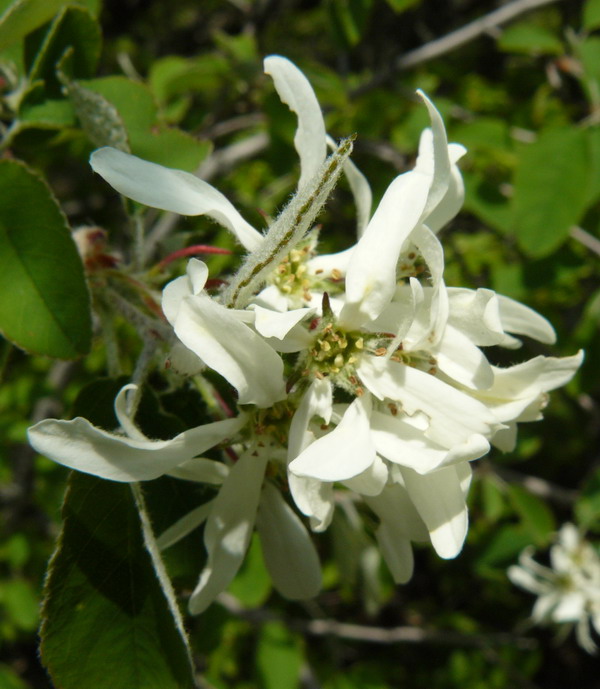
<point>402,5</point>
<point>591,15</point>
<point>20,603</point>
<point>24,16</point>
<point>530,39</point>
<point>279,657</point>
<point>106,620</point>
<point>252,584</point>
<point>50,114</point>
<point>134,104</point>
<point>589,56</point>
<point>49,309</point>
<point>535,515</point>
<point>550,189</point>
<point>10,680</point>
<point>350,18</point>
<point>74,30</point>
<point>587,507</point>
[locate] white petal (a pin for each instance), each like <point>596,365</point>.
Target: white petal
<point>403,444</point>
<point>295,91</point>
<point>201,470</point>
<point>452,201</point>
<point>462,361</point>
<point>314,499</point>
<point>228,529</point>
<point>232,349</point>
<point>123,417</point>
<point>399,524</point>
<point>344,452</point>
<point>184,526</point>
<point>170,190</point>
<point>476,313</point>
<point>439,500</point>
<point>371,481</point>
<point>435,160</point>
<point>288,550</point>
<point>453,416</point>
<point>79,445</point>
<point>317,401</point>
<point>275,324</point>
<point>325,264</point>
<point>520,386</point>
<point>371,276</point>
<point>361,190</point>
<point>521,320</point>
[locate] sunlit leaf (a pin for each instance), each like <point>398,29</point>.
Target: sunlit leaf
<point>49,309</point>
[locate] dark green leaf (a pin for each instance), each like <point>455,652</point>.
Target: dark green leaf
<point>24,16</point>
<point>550,189</point>
<point>74,30</point>
<point>402,5</point>
<point>106,620</point>
<point>591,15</point>
<point>48,311</point>
<point>350,18</point>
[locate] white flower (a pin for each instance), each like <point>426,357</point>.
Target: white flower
<point>569,590</point>
<point>359,371</point>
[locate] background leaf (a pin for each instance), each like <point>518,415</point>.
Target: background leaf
<point>49,310</point>
<point>550,189</point>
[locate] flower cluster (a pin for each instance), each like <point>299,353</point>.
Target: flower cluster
<point>359,372</point>
<point>569,590</point>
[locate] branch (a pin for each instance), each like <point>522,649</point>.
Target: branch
<point>588,240</point>
<point>376,635</point>
<point>488,24</point>
<point>535,485</point>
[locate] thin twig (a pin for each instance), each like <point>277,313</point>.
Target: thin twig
<point>535,485</point>
<point>376,635</point>
<point>588,240</point>
<point>487,24</point>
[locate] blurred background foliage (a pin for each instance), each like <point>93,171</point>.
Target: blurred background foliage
<point>184,81</point>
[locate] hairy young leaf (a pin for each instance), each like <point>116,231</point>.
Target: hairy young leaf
<point>46,307</point>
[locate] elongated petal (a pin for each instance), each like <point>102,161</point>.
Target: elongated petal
<point>228,529</point>
<point>361,190</point>
<point>232,349</point>
<point>403,444</point>
<point>314,499</point>
<point>295,91</point>
<point>521,320</point>
<point>342,453</point>
<point>201,470</point>
<point>371,276</point>
<point>462,361</point>
<point>79,445</point>
<point>453,416</point>
<point>184,526</point>
<point>371,481</point>
<point>453,199</point>
<point>434,160</point>
<point>171,190</point>
<point>275,324</point>
<point>476,313</point>
<point>516,388</point>
<point>440,501</point>
<point>288,550</point>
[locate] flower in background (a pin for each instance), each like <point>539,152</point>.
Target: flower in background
<point>569,590</point>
